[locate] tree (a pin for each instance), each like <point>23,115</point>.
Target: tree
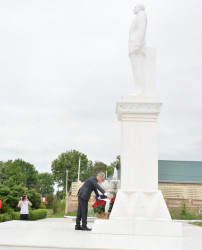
<point>31,174</point>
<point>35,198</point>
<point>102,167</point>
<point>49,200</point>
<point>69,161</point>
<point>14,175</point>
<point>2,172</point>
<point>45,184</point>
<point>117,164</point>
<point>18,172</point>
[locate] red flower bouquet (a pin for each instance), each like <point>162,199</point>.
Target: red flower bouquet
<point>99,206</point>
<point>112,203</point>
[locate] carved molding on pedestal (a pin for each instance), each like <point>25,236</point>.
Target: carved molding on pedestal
<point>138,110</point>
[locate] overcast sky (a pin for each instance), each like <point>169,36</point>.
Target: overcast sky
<point>64,65</point>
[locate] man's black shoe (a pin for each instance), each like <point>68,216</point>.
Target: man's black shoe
<point>77,227</point>
<point>86,229</point>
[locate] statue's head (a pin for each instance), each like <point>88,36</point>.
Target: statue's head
<point>138,8</point>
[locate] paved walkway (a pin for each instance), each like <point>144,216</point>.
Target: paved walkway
<point>57,234</point>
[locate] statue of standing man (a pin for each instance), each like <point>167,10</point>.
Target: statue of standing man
<point>137,47</point>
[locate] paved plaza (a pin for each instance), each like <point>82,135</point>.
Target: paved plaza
<point>58,234</point>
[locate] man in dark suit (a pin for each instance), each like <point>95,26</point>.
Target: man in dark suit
<point>90,185</point>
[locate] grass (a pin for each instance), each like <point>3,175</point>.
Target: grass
<point>59,214</point>
<point>90,213</point>
<point>72,213</point>
<point>177,213</point>
<point>196,223</point>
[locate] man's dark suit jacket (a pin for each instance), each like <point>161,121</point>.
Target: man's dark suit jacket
<point>90,185</point>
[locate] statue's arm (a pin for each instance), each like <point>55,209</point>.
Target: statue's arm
<point>141,28</point>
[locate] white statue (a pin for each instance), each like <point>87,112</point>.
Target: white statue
<point>137,47</point>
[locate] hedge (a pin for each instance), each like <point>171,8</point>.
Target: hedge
<point>37,214</point>
<point>1,217</point>
<point>33,215</point>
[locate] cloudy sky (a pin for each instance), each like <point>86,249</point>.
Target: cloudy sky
<point>64,65</point>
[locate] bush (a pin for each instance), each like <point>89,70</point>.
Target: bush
<point>56,205</point>
<point>4,208</point>
<point>42,206</point>
<point>15,215</point>
<point>5,190</point>
<point>1,217</point>
<point>184,213</point>
<point>12,201</point>
<point>49,200</point>
<point>37,214</point>
<point>34,198</point>
<point>33,214</point>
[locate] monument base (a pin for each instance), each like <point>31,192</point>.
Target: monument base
<point>140,213</point>
<point>138,228</point>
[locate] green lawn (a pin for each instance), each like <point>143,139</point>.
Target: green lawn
<point>197,223</point>
<point>59,214</point>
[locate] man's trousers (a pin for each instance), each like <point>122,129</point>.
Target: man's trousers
<point>82,212</point>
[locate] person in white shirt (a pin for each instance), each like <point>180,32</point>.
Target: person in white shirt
<point>24,204</point>
<point>104,185</point>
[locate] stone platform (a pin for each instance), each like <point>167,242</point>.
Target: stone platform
<point>58,234</point>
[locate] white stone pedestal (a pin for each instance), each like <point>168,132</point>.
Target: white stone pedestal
<point>139,209</point>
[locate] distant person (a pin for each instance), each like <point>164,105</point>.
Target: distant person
<point>84,193</point>
<point>24,204</point>
<point>104,185</point>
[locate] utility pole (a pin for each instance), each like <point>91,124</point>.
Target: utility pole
<point>66,179</point>
<point>67,194</point>
<point>79,170</point>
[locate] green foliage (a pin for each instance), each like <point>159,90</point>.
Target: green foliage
<point>183,208</point>
<point>4,205</point>
<point>7,217</point>
<point>72,213</point>
<point>33,214</point>
<point>99,206</point>
<point>59,214</point>
<point>4,190</point>
<point>45,184</point>
<point>42,206</point>
<point>102,167</point>
<point>11,194</point>
<point>49,200</point>
<point>196,223</point>
<point>177,213</point>
<point>37,214</point>
<point>1,217</point>
<point>69,161</point>
<point>52,202</point>
<point>56,205</point>
<point>117,164</point>
<point>18,172</point>
<point>15,215</point>
<point>12,201</point>
<point>34,198</point>
<point>60,194</point>
<point>3,199</point>
<point>99,167</point>
<point>111,206</point>
<point>2,172</point>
